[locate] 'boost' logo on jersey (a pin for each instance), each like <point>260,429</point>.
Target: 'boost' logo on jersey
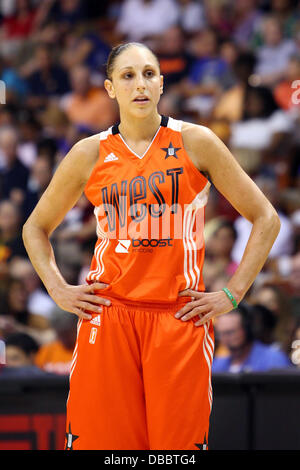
<point>146,245</point>
<point>143,245</point>
<point>152,242</point>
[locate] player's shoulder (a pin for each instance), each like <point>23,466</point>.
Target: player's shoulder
<point>87,144</point>
<point>86,150</point>
<point>200,143</point>
<point>195,134</point>
<point>82,157</point>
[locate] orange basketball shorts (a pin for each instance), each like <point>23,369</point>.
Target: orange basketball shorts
<point>140,380</point>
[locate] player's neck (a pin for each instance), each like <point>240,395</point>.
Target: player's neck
<point>136,129</point>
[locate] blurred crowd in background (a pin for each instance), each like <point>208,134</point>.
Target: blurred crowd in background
<point>231,66</point>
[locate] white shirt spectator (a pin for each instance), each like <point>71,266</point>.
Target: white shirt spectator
<point>257,133</point>
<point>7,7</point>
<point>139,19</point>
<point>283,244</point>
<point>274,59</point>
<point>40,303</point>
<point>27,153</point>
<point>192,17</point>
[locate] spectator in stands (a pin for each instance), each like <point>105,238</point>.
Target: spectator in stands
<point>277,302</point>
<point>285,91</point>
<point>230,105</point>
<point>192,16</point>
<point>274,54</point>
<point>14,314</point>
<point>229,51</point>
<point>246,354</point>
<point>11,243</point>
<point>61,134</point>
<point>219,17</point>
<point>294,282</point>
<point>18,25</point>
<point>87,105</point>
<point>39,304</point>
<point>49,80</point>
<point>260,111</point>
<point>218,259</point>
<point>263,323</point>
<point>13,174</point>
<point>29,131</point>
<point>247,17</point>
<point>141,19</point>
<point>15,86</point>
<point>85,48</point>
<point>284,11</point>
<point>68,12</point>
<point>40,176</point>
<point>262,133</point>
<point>283,244</point>
<point>7,119</point>
<point>56,356</point>
<point>209,74</point>
<point>174,60</point>
<point>20,349</point>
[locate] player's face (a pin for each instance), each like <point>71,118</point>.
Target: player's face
<point>136,82</point>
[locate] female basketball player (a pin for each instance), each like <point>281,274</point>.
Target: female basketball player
<point>141,371</point>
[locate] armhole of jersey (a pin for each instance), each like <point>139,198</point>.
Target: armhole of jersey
<point>176,125</point>
<point>102,136</point>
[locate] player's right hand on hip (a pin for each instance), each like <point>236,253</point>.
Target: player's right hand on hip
<point>81,299</point>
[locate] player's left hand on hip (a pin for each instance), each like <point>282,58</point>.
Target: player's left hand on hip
<point>206,305</point>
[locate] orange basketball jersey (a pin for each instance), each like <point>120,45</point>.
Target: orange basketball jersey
<point>150,217</point>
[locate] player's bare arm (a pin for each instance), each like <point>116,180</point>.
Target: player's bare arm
<point>63,192</point>
<point>210,155</point>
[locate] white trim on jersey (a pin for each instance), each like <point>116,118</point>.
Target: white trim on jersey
<point>99,270</point>
<point>99,231</point>
<point>148,148</point>
<point>104,134</point>
<point>174,124</point>
<point>190,266</point>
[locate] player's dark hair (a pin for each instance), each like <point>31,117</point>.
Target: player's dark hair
<point>117,50</point>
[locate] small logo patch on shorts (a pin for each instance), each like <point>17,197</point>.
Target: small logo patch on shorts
<point>93,335</point>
